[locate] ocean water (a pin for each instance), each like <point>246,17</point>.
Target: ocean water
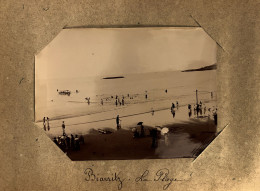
<point>181,87</point>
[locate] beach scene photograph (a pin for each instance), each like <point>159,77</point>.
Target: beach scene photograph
<point>128,93</point>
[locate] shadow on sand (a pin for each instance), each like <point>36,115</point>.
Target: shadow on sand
<point>186,140</point>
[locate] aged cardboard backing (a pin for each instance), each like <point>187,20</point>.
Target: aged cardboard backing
<point>29,159</point>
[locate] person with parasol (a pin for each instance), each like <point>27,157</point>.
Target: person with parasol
<point>165,132</point>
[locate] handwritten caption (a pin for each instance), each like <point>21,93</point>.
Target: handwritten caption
<point>162,176</point>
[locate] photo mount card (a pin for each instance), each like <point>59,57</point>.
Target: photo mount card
<point>128,93</point>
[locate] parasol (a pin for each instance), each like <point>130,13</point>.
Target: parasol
<point>164,130</point>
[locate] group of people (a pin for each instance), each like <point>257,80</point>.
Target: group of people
<point>46,122</point>
<point>65,142</point>
<point>200,109</point>
<point>120,101</point>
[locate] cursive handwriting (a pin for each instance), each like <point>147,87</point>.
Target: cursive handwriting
<point>115,177</point>
<point>162,175</point>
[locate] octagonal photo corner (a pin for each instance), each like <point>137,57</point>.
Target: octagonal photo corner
<point>128,93</point>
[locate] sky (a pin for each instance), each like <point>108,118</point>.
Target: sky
<point>79,53</point>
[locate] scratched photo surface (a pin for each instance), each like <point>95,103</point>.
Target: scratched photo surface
<point>128,93</point>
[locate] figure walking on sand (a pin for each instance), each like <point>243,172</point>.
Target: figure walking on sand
<point>63,128</point>
<point>117,122</point>
<point>177,104</point>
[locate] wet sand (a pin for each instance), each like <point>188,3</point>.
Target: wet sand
<point>185,140</point>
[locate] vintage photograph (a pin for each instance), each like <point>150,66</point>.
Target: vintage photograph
<point>128,93</point>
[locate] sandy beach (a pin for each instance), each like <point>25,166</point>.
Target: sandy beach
<point>148,98</point>
<point>187,137</point>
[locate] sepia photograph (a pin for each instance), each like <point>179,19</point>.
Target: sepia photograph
<point>128,93</point>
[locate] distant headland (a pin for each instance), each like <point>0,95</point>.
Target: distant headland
<point>211,67</point>
<point>114,77</point>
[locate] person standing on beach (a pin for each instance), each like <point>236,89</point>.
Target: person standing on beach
<point>44,124</point>
<point>63,128</point>
<point>117,122</point>
<point>43,120</point>
<point>177,104</point>
<point>173,113</point>
<point>189,113</point>
<point>48,124</point>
